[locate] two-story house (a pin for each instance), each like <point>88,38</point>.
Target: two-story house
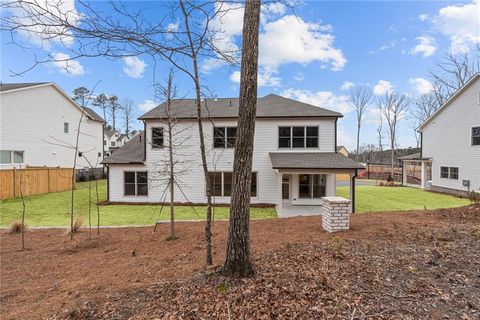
<point>294,162</point>
<point>450,148</point>
<point>39,123</point>
<point>112,140</point>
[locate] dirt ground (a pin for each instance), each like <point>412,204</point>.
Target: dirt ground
<point>415,265</point>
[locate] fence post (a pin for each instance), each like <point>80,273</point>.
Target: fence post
<point>48,177</point>
<point>14,182</point>
<point>368,170</point>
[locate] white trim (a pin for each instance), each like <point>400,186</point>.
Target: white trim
<point>449,101</point>
<point>470,135</point>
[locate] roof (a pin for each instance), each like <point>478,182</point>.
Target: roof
<point>110,132</point>
<point>312,160</point>
<point>122,136</point>
<point>271,106</point>
<point>413,156</point>
<point>132,152</point>
<point>94,115</point>
<point>450,100</point>
<point>5,87</point>
<point>340,148</point>
<point>13,86</point>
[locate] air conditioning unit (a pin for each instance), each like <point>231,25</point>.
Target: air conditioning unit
<point>428,185</point>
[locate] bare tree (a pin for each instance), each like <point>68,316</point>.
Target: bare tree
<point>393,107</point>
<point>360,99</point>
<point>380,129</point>
<point>238,262</point>
<point>113,105</point>
<point>22,183</point>
<point>101,101</point>
<point>80,94</point>
<point>127,111</point>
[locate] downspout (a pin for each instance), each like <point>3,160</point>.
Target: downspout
<point>421,144</point>
<point>108,182</point>
<point>144,141</point>
<point>353,190</point>
<point>336,119</point>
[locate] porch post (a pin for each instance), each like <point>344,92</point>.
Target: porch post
<point>422,175</point>
<point>352,190</point>
<point>279,188</point>
<point>404,173</point>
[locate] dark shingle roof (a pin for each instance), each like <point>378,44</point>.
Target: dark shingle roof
<point>312,160</point>
<point>132,152</point>
<point>94,115</point>
<point>271,106</point>
<point>12,86</point>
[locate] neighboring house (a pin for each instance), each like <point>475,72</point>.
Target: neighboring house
<point>450,153</point>
<point>342,150</point>
<point>112,140</point>
<point>39,125</point>
<point>294,161</point>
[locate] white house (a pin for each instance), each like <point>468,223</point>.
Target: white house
<point>112,140</point>
<point>39,124</point>
<point>450,150</point>
<point>294,162</point>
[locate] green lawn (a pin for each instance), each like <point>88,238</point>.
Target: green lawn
<point>53,210</point>
<point>377,198</point>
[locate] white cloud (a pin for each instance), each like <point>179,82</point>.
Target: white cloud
<point>65,65</point>
<point>292,40</point>
<point>461,23</point>
<point>134,67</point>
<point>421,85</point>
<point>265,78</point>
<point>299,76</point>
<point>43,29</point>
<point>426,46</point>
<point>423,17</point>
<point>324,99</point>
<point>382,87</point>
<point>147,105</point>
<point>347,85</point>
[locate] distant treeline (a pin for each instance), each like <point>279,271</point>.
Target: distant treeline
<point>381,157</point>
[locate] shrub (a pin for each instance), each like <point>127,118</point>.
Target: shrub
<point>16,227</point>
<point>474,197</point>
<point>77,223</point>
<point>381,183</point>
<point>390,178</point>
<point>390,184</point>
<point>82,178</point>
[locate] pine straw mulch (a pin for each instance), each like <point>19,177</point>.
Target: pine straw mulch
<point>424,270</point>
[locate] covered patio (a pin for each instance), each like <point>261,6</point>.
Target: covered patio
<point>416,170</point>
<point>305,178</point>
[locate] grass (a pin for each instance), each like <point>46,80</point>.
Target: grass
<point>377,198</point>
<point>53,209</point>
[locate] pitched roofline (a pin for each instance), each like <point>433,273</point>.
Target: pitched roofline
<point>449,101</point>
<point>257,117</point>
<point>59,90</point>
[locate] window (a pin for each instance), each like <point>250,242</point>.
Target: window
<point>224,137</point>
<point>65,127</point>
<point>157,137</point>
<point>286,186</point>
<point>444,172</point>
<point>112,144</point>
<point>136,183</point>
<point>221,184</point>
<point>312,186</point>
<point>9,156</point>
<point>449,173</point>
<point>298,137</point>
<point>475,136</point>
<point>104,142</point>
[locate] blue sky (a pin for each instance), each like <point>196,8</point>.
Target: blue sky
<point>328,47</point>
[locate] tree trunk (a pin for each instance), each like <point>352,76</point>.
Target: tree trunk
<point>237,263</point>
<point>358,140</point>
<point>170,152</point>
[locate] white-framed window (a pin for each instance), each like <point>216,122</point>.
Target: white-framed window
<point>449,172</point>
<point>157,138</point>
<point>112,144</point>
<point>11,156</point>
<point>298,137</point>
<point>221,184</point>
<point>224,137</point>
<point>136,183</point>
<point>476,136</point>
<point>65,127</point>
<point>312,186</point>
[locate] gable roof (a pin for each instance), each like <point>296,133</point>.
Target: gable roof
<point>131,152</point>
<point>271,106</point>
<point>7,87</point>
<point>450,100</point>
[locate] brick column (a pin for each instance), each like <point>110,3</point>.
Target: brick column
<point>336,214</point>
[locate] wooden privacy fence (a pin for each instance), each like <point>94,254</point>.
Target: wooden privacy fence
<point>34,181</point>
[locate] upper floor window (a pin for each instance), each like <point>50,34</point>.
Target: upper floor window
<point>449,173</point>
<point>65,127</point>
<point>221,184</point>
<point>475,136</point>
<point>136,183</point>
<point>298,137</point>
<point>157,137</point>
<point>224,137</point>
<point>104,142</point>
<point>9,156</point>
<point>112,144</point>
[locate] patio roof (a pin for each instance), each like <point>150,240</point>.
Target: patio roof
<point>413,157</point>
<point>312,160</point>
